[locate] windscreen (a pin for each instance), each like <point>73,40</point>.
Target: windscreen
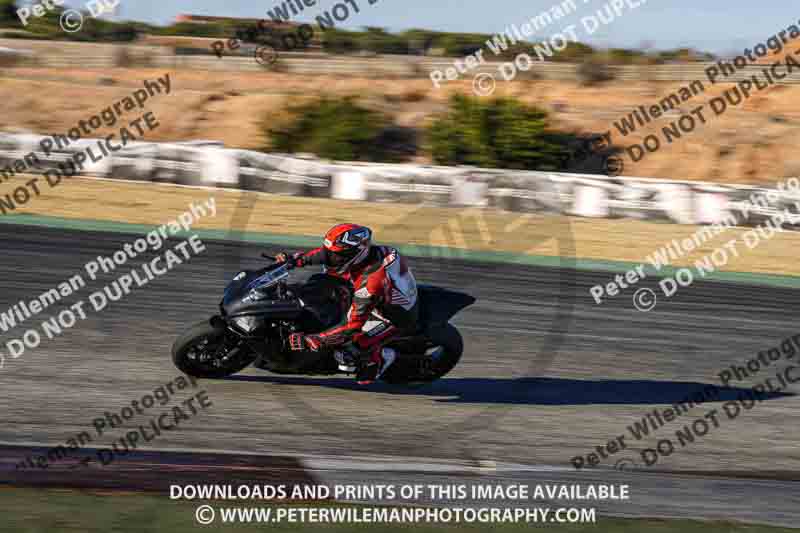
<point>268,279</point>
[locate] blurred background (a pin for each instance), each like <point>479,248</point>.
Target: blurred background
<point>639,57</point>
<point>523,193</point>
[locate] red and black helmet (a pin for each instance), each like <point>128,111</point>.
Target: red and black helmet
<point>346,245</point>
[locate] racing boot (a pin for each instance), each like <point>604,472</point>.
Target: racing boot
<point>347,358</point>
<point>372,369</point>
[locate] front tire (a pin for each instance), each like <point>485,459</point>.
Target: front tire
<point>210,351</point>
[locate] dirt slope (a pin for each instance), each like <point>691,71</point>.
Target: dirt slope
<point>755,142</point>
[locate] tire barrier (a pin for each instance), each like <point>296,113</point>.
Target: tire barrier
<point>209,163</point>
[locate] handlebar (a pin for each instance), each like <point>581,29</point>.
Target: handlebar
<point>289,264</point>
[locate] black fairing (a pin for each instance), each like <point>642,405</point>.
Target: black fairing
<point>324,299</point>
<point>438,306</point>
<point>239,300</point>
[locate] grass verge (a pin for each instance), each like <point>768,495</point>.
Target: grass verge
<point>474,234</point>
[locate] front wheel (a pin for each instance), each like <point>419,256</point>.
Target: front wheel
<point>210,351</point>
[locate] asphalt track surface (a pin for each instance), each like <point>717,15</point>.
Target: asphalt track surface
<point>536,386</point>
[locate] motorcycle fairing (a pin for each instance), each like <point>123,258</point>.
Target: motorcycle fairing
<point>438,305</point>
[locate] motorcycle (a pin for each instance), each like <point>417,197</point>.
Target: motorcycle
<point>260,309</point>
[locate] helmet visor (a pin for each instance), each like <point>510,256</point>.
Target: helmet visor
<point>339,259</point>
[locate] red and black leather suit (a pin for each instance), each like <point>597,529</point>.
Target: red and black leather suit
<point>382,283</point>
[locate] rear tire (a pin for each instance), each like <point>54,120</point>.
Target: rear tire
<point>449,338</point>
<point>452,341</point>
<point>206,351</point>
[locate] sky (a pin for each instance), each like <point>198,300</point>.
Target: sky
<point>718,26</point>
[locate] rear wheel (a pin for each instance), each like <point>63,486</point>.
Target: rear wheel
<point>206,351</point>
<point>442,354</point>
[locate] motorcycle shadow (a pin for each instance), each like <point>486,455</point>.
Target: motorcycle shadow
<point>539,391</point>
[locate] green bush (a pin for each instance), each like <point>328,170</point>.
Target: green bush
<point>48,27</point>
<point>461,44</point>
<point>574,53</point>
<point>8,14</point>
<point>189,29</point>
<point>502,132</point>
<point>332,128</point>
<point>379,41</point>
<point>420,41</point>
<point>337,41</point>
<point>594,71</point>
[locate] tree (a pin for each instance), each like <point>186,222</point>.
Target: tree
<point>8,14</point>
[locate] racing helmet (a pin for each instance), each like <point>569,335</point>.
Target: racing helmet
<point>346,245</point>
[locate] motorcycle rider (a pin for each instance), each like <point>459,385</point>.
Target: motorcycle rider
<point>382,283</point>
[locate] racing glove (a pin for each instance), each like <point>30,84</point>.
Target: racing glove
<point>300,341</point>
<point>296,259</point>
